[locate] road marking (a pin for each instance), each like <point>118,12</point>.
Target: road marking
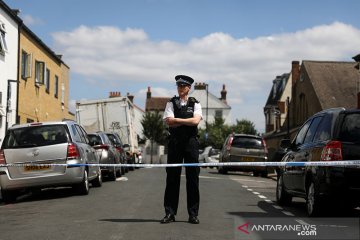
<point>268,200</point>
<point>302,222</point>
<point>256,193</point>
<point>288,213</point>
<point>277,207</point>
<point>262,196</point>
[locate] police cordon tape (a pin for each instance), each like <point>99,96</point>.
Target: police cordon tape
<point>355,163</point>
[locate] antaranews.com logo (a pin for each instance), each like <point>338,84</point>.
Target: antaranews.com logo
<point>298,229</point>
<point>293,228</point>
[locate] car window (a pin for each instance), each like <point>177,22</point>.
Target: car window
<point>350,128</point>
<point>247,142</point>
<point>301,134</point>
<point>323,132</point>
<point>35,136</point>
<point>95,139</point>
<point>312,129</point>
<point>82,136</point>
<point>77,137</point>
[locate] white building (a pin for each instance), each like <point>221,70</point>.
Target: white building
<point>9,45</point>
<point>211,105</point>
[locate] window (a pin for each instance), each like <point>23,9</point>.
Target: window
<point>301,134</point>
<point>218,113</point>
<point>3,46</point>
<point>39,73</point>
<point>62,93</point>
<point>56,87</point>
<point>311,132</point>
<point>26,63</point>
<point>323,132</point>
<point>47,81</point>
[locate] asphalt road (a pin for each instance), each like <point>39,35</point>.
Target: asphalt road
<point>131,208</point>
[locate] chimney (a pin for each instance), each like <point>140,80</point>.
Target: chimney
<point>114,94</point>
<point>130,97</point>
<point>200,86</point>
<point>223,94</point>
<point>295,71</point>
<point>148,94</point>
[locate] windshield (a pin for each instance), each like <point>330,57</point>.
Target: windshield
<point>35,136</point>
<point>247,142</point>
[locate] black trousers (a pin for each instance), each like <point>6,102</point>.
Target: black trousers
<point>182,150</point>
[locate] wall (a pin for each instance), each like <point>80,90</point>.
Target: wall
<point>8,71</point>
<point>35,103</point>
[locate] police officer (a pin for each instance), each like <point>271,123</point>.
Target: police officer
<point>182,115</point>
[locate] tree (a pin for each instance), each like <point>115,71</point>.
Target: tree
<point>216,134</point>
<point>218,131</point>
<point>244,126</point>
<point>154,129</point>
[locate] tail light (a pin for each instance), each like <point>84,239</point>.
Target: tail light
<point>332,152</point>
<point>228,146</point>
<point>2,157</point>
<point>102,146</point>
<point>265,147</point>
<point>73,151</point>
<point>119,149</point>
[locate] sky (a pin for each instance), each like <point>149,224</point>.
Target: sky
<point>130,45</point>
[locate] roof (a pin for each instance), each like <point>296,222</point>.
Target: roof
<point>156,103</point>
<point>10,12</point>
<point>335,83</point>
<point>208,98</point>
<point>279,84</point>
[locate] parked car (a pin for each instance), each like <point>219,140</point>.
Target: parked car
<point>330,135</point>
<point>63,142</point>
<point>244,148</point>
<point>209,155</point>
<point>116,141</point>
<point>106,153</point>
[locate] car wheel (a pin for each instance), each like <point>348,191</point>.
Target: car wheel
<point>97,182</point>
<point>112,174</point>
<point>8,196</point>
<point>282,197</point>
<point>313,202</point>
<point>264,173</point>
<point>118,172</point>
<point>222,170</point>
<point>83,187</point>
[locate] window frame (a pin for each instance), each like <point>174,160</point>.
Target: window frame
<point>40,71</point>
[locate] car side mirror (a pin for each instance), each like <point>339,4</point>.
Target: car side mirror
<point>285,143</point>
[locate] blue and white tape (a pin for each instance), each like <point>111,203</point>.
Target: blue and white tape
<point>353,163</point>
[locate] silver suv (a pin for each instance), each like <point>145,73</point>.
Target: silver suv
<point>244,148</point>
<point>63,142</point>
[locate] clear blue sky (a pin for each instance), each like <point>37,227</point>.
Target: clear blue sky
<point>128,45</point>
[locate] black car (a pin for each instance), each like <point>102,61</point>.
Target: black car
<point>330,135</point>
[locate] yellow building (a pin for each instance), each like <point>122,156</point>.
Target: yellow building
<point>43,89</point>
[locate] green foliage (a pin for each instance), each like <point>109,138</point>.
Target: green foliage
<point>245,126</point>
<point>218,131</point>
<point>154,128</point>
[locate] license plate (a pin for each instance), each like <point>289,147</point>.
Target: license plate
<point>248,159</point>
<point>36,168</point>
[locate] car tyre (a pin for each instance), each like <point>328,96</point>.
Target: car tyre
<point>83,187</point>
<point>313,201</point>
<point>97,182</point>
<point>8,196</point>
<point>222,170</point>
<point>282,197</point>
<point>112,174</point>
